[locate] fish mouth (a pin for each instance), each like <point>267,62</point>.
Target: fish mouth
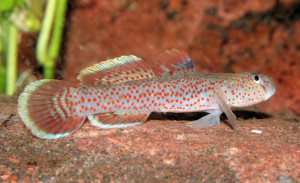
<point>271,90</point>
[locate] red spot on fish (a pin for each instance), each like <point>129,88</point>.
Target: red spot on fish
<point>263,87</point>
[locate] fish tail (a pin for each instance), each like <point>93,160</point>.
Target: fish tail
<point>47,108</point>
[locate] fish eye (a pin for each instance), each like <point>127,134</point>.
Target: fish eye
<point>256,79</point>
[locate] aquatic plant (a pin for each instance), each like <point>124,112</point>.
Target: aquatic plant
<point>25,16</point>
<point>47,50</point>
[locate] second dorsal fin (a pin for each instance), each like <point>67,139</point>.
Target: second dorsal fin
<point>112,71</point>
<point>174,62</point>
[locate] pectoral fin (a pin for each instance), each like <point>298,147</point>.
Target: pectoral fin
<point>225,108</point>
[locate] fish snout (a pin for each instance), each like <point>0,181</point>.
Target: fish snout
<point>270,88</point>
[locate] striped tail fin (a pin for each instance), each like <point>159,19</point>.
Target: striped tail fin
<point>47,110</point>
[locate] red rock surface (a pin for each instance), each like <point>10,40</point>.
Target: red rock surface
<point>161,150</point>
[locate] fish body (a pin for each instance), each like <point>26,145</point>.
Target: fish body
<point>123,92</point>
<point>180,93</point>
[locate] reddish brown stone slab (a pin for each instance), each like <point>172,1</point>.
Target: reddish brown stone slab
<point>162,150</point>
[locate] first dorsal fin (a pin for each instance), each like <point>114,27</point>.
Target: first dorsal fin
<point>112,71</point>
<point>174,62</point>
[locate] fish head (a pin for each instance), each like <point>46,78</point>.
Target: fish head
<point>248,89</point>
<point>262,84</point>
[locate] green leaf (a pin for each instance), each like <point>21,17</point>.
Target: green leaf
<point>8,5</point>
<point>25,20</point>
<point>19,2</point>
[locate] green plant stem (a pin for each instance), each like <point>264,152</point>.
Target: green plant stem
<point>55,44</point>
<point>2,62</point>
<point>44,36</point>
<point>47,55</point>
<point>48,69</point>
<point>2,79</point>
<point>11,59</point>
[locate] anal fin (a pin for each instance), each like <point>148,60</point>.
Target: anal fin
<point>209,120</point>
<point>118,119</point>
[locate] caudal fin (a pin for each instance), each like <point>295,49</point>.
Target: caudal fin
<point>47,110</point>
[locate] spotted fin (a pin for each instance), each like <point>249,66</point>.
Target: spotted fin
<point>118,120</point>
<point>46,109</point>
<point>174,62</point>
<point>112,71</point>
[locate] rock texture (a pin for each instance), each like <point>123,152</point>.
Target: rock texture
<point>162,150</point>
